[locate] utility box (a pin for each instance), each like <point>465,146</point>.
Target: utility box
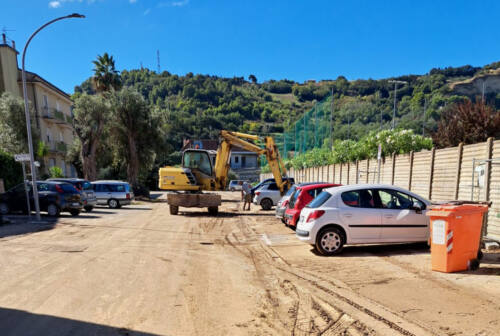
<point>2,186</point>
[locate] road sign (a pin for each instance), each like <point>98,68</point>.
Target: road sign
<point>21,157</point>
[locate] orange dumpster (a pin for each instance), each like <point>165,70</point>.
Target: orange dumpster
<point>455,236</point>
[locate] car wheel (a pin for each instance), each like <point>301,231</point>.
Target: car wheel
<point>284,221</point>
<point>232,189</point>
<point>4,209</point>
<point>473,264</point>
<point>174,209</point>
<point>53,210</point>
<point>213,210</point>
<point>330,241</point>
<point>89,208</point>
<point>266,204</point>
<point>113,204</point>
<point>479,254</point>
<point>74,212</point>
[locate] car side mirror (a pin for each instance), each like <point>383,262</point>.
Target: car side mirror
<point>415,206</point>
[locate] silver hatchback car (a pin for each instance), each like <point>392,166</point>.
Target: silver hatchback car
<point>113,193</point>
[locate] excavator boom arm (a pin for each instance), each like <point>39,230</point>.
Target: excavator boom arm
<point>230,139</point>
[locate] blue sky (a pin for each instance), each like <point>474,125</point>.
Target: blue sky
<point>294,39</point>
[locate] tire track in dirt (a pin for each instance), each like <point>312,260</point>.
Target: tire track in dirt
<point>381,320</point>
<point>304,315</point>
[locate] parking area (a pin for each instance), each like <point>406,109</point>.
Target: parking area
<point>140,271</point>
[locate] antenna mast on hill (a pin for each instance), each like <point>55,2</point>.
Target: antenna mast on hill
<point>158,59</point>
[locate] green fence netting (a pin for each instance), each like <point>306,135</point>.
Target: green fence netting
<point>313,130</point>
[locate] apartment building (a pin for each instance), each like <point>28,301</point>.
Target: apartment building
<point>52,106</point>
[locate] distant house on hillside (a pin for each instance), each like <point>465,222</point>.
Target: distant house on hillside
<point>243,163</point>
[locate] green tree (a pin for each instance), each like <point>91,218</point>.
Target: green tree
<point>253,79</point>
<point>134,131</point>
<point>11,173</point>
<point>106,77</point>
<point>13,135</point>
<point>91,114</point>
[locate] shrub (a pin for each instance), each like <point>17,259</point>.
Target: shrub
<point>391,141</point>
<point>55,172</point>
<point>11,171</point>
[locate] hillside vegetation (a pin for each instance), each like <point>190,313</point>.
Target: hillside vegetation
<point>198,106</point>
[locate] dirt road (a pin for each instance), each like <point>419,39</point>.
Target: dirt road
<point>140,271</point>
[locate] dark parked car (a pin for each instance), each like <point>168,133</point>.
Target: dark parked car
<point>269,181</point>
<point>85,188</point>
<point>55,197</point>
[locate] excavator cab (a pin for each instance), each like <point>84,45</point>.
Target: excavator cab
<point>198,160</point>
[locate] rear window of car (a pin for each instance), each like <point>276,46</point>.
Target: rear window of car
<point>43,187</point>
<point>87,185</point>
<point>319,200</point>
<point>272,186</point>
<point>67,187</point>
<point>116,187</point>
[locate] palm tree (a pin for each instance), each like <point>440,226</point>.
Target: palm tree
<point>106,77</point>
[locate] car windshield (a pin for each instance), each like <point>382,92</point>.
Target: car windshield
<point>291,191</point>
<point>198,160</point>
<point>319,200</point>
<point>293,198</point>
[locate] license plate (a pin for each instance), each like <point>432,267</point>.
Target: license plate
<point>76,204</point>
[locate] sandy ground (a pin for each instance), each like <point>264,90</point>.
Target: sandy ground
<point>140,271</point>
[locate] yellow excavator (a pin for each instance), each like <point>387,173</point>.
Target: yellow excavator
<point>198,172</point>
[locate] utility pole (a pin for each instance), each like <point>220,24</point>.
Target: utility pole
<point>158,59</point>
<point>349,126</point>
<point>396,82</point>
<point>331,123</point>
<point>295,140</point>
<point>284,139</point>
<point>316,125</point>
<point>304,143</point>
<point>423,119</point>
<point>27,112</point>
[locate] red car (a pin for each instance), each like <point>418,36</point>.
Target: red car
<point>301,197</point>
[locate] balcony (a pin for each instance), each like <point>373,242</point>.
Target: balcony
<point>57,146</point>
<point>56,116</point>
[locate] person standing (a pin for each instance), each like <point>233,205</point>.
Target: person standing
<point>246,193</point>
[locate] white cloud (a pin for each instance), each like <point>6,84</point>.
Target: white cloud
<point>59,3</point>
<point>180,3</point>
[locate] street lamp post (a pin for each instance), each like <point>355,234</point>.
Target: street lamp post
<point>27,113</point>
<point>396,82</point>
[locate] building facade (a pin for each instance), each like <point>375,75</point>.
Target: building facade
<point>51,105</point>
